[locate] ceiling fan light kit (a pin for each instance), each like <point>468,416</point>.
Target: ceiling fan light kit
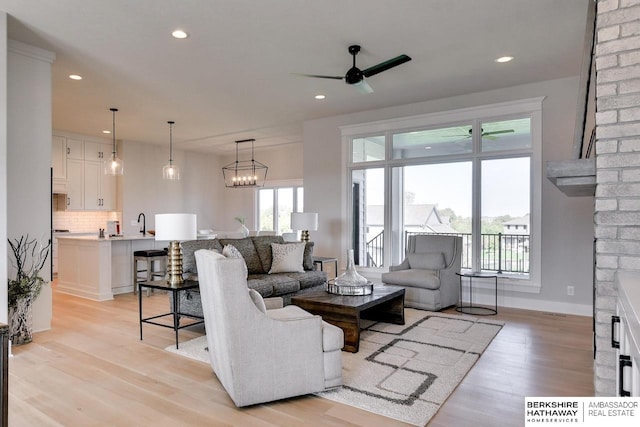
<point>356,77</point>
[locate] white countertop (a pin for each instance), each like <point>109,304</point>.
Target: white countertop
<point>95,237</point>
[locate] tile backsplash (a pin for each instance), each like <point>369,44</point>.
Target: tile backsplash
<point>83,221</point>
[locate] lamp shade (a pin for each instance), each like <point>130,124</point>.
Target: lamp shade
<point>304,221</point>
<point>178,226</point>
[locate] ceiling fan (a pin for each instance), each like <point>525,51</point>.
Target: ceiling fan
<point>487,135</point>
<point>356,77</point>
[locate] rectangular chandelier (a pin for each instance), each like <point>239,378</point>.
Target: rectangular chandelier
<point>244,173</point>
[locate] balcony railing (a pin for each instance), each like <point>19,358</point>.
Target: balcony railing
<point>502,253</point>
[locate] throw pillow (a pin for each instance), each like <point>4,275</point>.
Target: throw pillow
<point>257,300</point>
<point>248,251</point>
<point>231,251</point>
<point>287,257</point>
<point>427,261</point>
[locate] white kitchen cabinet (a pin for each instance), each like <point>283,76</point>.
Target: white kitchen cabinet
<point>626,335</point>
<point>75,184</point>
<point>99,189</point>
<point>59,157</point>
<point>59,164</point>
<point>75,149</point>
<point>96,151</point>
<point>81,163</point>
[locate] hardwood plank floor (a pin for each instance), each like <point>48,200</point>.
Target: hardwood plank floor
<point>91,369</point>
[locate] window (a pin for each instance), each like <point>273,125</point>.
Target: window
<point>468,172</point>
<point>275,206</point>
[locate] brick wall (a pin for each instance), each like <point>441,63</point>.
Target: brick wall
<point>617,203</point>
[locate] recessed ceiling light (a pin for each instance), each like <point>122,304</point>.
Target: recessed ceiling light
<point>320,97</point>
<point>75,77</point>
<point>106,131</point>
<point>504,59</point>
<point>179,34</point>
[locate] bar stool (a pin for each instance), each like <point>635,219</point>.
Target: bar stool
<point>151,257</point>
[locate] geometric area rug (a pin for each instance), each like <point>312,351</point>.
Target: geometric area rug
<point>405,372</point>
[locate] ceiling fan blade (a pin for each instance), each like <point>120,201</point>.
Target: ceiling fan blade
<point>362,86</point>
<point>319,76</point>
<point>496,132</point>
<point>383,66</point>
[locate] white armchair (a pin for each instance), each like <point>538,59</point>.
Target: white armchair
<point>428,273</point>
<point>263,355</point>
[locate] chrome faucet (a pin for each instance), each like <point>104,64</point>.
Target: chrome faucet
<point>144,223</point>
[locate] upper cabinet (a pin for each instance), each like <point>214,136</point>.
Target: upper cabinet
<point>78,171</point>
<point>96,151</point>
<point>59,163</point>
<point>75,149</point>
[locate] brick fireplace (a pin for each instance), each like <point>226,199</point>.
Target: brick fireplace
<point>617,198</point>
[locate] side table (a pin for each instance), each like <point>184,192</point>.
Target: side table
<point>474,309</point>
<point>175,313</point>
<point>321,260</point>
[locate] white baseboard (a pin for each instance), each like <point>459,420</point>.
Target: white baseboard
<point>483,295</point>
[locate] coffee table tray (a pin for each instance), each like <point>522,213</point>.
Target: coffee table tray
<point>337,289</point>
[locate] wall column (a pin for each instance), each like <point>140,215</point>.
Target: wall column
<point>617,203</point>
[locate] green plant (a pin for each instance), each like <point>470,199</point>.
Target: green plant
<point>29,258</point>
<point>240,219</point>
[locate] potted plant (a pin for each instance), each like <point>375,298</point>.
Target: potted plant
<point>243,228</point>
<point>29,257</point>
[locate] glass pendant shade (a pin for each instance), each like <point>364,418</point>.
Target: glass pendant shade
<point>114,165</point>
<point>171,171</point>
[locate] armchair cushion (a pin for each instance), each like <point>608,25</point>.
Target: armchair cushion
<point>427,261</point>
<point>418,278</point>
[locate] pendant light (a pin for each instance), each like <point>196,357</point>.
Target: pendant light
<point>114,165</point>
<point>170,171</point>
<point>244,173</point>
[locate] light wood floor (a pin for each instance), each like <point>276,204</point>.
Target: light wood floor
<point>91,369</point>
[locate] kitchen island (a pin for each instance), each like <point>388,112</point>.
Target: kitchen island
<point>99,268</point>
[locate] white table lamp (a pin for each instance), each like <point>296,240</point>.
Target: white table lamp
<point>175,228</point>
<point>304,221</point>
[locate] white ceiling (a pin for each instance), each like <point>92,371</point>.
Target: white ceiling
<point>233,78</point>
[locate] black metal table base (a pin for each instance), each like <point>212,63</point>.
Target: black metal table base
<point>470,308</point>
<point>176,313</point>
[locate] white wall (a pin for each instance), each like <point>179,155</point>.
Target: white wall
<point>29,156</point>
<point>567,223</point>
<point>142,188</point>
<point>284,163</point>
<point>3,167</point>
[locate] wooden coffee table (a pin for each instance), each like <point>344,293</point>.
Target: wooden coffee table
<point>385,304</point>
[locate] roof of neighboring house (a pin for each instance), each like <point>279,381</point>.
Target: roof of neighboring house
<point>421,217</point>
<point>523,220</point>
<point>415,215</point>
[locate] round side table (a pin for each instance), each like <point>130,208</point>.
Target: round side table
<point>469,308</point>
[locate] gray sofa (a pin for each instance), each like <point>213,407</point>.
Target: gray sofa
<point>256,252</point>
